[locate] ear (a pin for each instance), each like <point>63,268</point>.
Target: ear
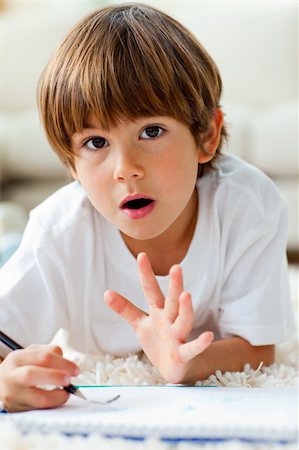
<point>211,138</point>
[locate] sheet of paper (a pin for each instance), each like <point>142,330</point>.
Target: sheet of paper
<point>175,412</point>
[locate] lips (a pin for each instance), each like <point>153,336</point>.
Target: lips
<point>137,206</point>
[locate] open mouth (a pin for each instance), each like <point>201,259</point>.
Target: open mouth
<point>137,207</point>
<point>138,203</point>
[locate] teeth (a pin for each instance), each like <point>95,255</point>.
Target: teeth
<point>138,203</point>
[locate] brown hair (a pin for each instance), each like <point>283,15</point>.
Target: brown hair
<point>127,61</point>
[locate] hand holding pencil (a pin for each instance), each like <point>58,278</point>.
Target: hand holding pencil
<point>24,369</point>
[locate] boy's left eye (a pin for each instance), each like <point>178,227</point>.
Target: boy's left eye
<point>152,132</point>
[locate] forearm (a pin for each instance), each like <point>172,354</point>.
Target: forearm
<point>228,355</point>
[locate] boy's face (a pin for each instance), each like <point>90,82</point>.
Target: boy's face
<point>139,175</point>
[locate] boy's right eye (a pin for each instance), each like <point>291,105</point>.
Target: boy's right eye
<point>95,143</point>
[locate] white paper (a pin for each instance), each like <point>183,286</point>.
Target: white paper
<point>174,412</point>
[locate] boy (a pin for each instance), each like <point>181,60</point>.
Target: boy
<point>130,102</point>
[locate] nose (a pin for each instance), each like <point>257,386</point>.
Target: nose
<point>127,167</point>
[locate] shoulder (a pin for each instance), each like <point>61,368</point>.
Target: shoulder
<point>66,209</point>
<point>237,183</point>
<point>237,173</point>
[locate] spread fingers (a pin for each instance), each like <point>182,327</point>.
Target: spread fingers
<point>191,349</point>
<point>150,286</point>
<point>124,308</point>
<point>174,290</point>
<point>182,325</point>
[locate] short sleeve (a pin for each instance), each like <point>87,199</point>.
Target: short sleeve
<point>30,286</point>
<point>255,296</point>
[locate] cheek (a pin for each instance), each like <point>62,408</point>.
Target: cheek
<point>180,172</point>
<point>93,182</point>
<point>88,174</point>
<point>97,194</point>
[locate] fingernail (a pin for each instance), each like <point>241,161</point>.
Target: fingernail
<point>210,335</point>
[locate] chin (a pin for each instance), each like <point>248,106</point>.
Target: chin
<point>142,234</point>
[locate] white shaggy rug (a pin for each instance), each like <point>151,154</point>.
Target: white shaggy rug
<point>135,369</point>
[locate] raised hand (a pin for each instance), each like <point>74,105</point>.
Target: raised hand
<point>164,331</point>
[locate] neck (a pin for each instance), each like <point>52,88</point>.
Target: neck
<point>172,245</point>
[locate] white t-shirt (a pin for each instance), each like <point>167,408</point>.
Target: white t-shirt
<point>235,268</point>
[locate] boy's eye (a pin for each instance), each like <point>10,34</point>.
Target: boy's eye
<point>95,143</point>
<point>152,132</point>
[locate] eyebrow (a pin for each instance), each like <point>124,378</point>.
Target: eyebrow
<point>93,126</point>
<point>90,126</point>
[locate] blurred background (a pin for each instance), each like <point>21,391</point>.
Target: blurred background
<point>254,43</point>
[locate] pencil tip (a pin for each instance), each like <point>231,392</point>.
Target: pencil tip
<point>79,394</point>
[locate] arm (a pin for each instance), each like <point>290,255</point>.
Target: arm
<point>164,331</point>
<point>228,355</point>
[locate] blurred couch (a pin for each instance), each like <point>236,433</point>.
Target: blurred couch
<point>254,45</point>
